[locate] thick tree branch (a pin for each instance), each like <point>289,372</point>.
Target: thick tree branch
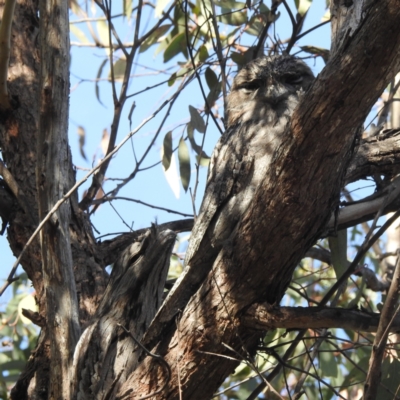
<point>287,214</point>
<point>379,155</point>
<point>105,351</point>
<point>264,317</point>
<point>52,177</point>
<point>109,250</point>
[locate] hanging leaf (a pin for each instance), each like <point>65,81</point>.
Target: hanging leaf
<point>211,78</point>
<point>119,69</point>
<point>78,33</point>
<point>203,160</point>
<point>184,163</point>
<point>75,8</point>
<point>82,135</point>
<point>154,37</point>
<point>302,6</point>
<point>102,29</point>
<point>177,45</point>
<point>203,53</point>
<point>172,79</point>
<point>105,139</point>
<point>98,76</point>
<point>201,156</point>
<point>196,120</point>
<point>327,360</point>
<point>255,26</point>
<point>127,8</point>
<point>167,150</point>
<point>213,96</point>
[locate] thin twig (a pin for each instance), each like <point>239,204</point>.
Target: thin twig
<point>110,198</point>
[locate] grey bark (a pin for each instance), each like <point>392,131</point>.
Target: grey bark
<point>106,354</point>
<point>287,214</point>
<point>52,179</point>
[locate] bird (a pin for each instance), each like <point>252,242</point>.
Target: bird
<point>263,97</point>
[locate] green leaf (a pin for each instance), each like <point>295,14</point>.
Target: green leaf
<point>390,378</point>
<point>338,247</point>
<point>211,78</point>
<point>255,26</point>
<point>127,8</point>
<point>167,150</point>
<point>119,69</point>
<point>78,33</point>
<point>196,120</point>
<point>154,37</point>
<point>213,96</point>
<point>177,45</point>
<point>302,6</point>
<point>327,361</point>
<point>184,163</point>
<point>203,160</point>
<point>102,29</point>
<point>235,18</point>
<point>203,53</point>
<point>195,146</point>
<point>172,79</point>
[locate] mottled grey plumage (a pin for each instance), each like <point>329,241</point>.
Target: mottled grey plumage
<point>263,97</point>
<point>262,100</point>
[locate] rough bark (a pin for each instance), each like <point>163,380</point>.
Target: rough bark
<point>18,142</point>
<point>52,179</point>
<point>287,215</point>
<point>263,317</point>
<point>106,353</point>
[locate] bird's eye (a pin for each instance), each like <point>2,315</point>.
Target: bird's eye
<point>293,79</point>
<point>250,86</point>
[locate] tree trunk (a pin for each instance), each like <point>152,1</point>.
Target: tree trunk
<point>287,215</point>
<point>285,218</point>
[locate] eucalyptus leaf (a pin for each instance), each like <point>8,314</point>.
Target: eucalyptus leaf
<point>196,120</point>
<point>211,78</point>
<point>167,150</point>
<point>184,163</point>
<point>154,37</point>
<point>79,33</point>
<point>177,45</point>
